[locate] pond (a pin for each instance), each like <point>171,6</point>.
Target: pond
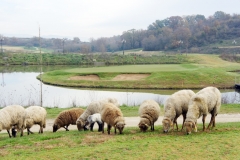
<point>21,87</point>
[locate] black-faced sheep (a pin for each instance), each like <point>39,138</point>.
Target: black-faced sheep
<point>94,107</point>
<point>206,100</point>
<point>35,115</point>
<point>95,118</point>
<point>149,112</point>
<point>10,116</point>
<point>113,116</point>
<point>176,105</point>
<point>67,117</point>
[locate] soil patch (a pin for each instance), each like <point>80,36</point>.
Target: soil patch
<point>130,77</point>
<point>87,77</point>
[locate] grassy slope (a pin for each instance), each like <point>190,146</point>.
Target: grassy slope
<point>207,70</point>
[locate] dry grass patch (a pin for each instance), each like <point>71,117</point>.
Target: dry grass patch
<point>94,138</point>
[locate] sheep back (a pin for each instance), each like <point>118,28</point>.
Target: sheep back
<point>67,117</point>
<point>35,115</point>
<point>206,100</point>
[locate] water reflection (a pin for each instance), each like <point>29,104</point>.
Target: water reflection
<point>24,89</point>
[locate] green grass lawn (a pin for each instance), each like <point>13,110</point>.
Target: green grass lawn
<point>207,70</point>
<point>219,143</point>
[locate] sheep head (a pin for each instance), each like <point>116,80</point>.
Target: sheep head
<point>80,124</point>
<point>120,126</point>
<point>167,123</point>
<point>56,127</point>
<point>144,124</point>
<point>189,125</point>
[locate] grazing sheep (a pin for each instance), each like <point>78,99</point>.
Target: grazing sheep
<point>206,100</point>
<point>67,117</point>
<point>35,115</point>
<point>94,107</point>
<point>95,118</point>
<point>149,112</point>
<point>10,116</point>
<point>176,105</point>
<point>113,116</point>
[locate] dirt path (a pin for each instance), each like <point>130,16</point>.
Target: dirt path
<point>133,122</point>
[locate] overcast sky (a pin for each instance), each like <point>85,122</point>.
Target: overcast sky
<point>97,18</point>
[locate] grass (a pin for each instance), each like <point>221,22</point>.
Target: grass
<point>132,111</point>
<point>205,70</point>
<point>219,143</point>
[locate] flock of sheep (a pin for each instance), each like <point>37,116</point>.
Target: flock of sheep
<point>184,102</point>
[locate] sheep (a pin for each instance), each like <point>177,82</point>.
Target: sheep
<point>95,118</point>
<point>35,115</point>
<point>206,100</point>
<point>176,105</point>
<point>149,112</point>
<point>113,116</point>
<point>94,107</point>
<point>12,117</point>
<point>67,117</point>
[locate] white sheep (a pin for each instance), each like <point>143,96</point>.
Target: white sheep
<point>149,112</point>
<point>35,115</point>
<point>206,100</point>
<point>94,107</point>
<point>10,116</point>
<point>113,116</point>
<point>95,118</point>
<point>176,105</point>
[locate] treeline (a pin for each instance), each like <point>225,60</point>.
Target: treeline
<point>186,33</point>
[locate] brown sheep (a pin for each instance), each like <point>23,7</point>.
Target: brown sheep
<point>67,117</point>
<point>113,116</point>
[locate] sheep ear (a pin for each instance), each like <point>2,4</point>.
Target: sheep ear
<point>194,126</point>
<point>145,124</point>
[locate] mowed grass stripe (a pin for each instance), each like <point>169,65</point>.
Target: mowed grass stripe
<point>135,68</point>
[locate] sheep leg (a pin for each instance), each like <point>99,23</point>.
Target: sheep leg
<point>211,122</point>
<point>175,121</point>
<point>103,127</point>
<point>91,126</point>
<point>99,127</point>
<point>203,120</point>
<point>41,129</point>
<point>184,118</point>
<point>109,128</point>
<point>9,134</point>
<point>28,130</point>
<point>66,128</point>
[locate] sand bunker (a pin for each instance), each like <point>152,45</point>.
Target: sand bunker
<point>130,77</point>
<point>120,77</point>
<point>87,77</point>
